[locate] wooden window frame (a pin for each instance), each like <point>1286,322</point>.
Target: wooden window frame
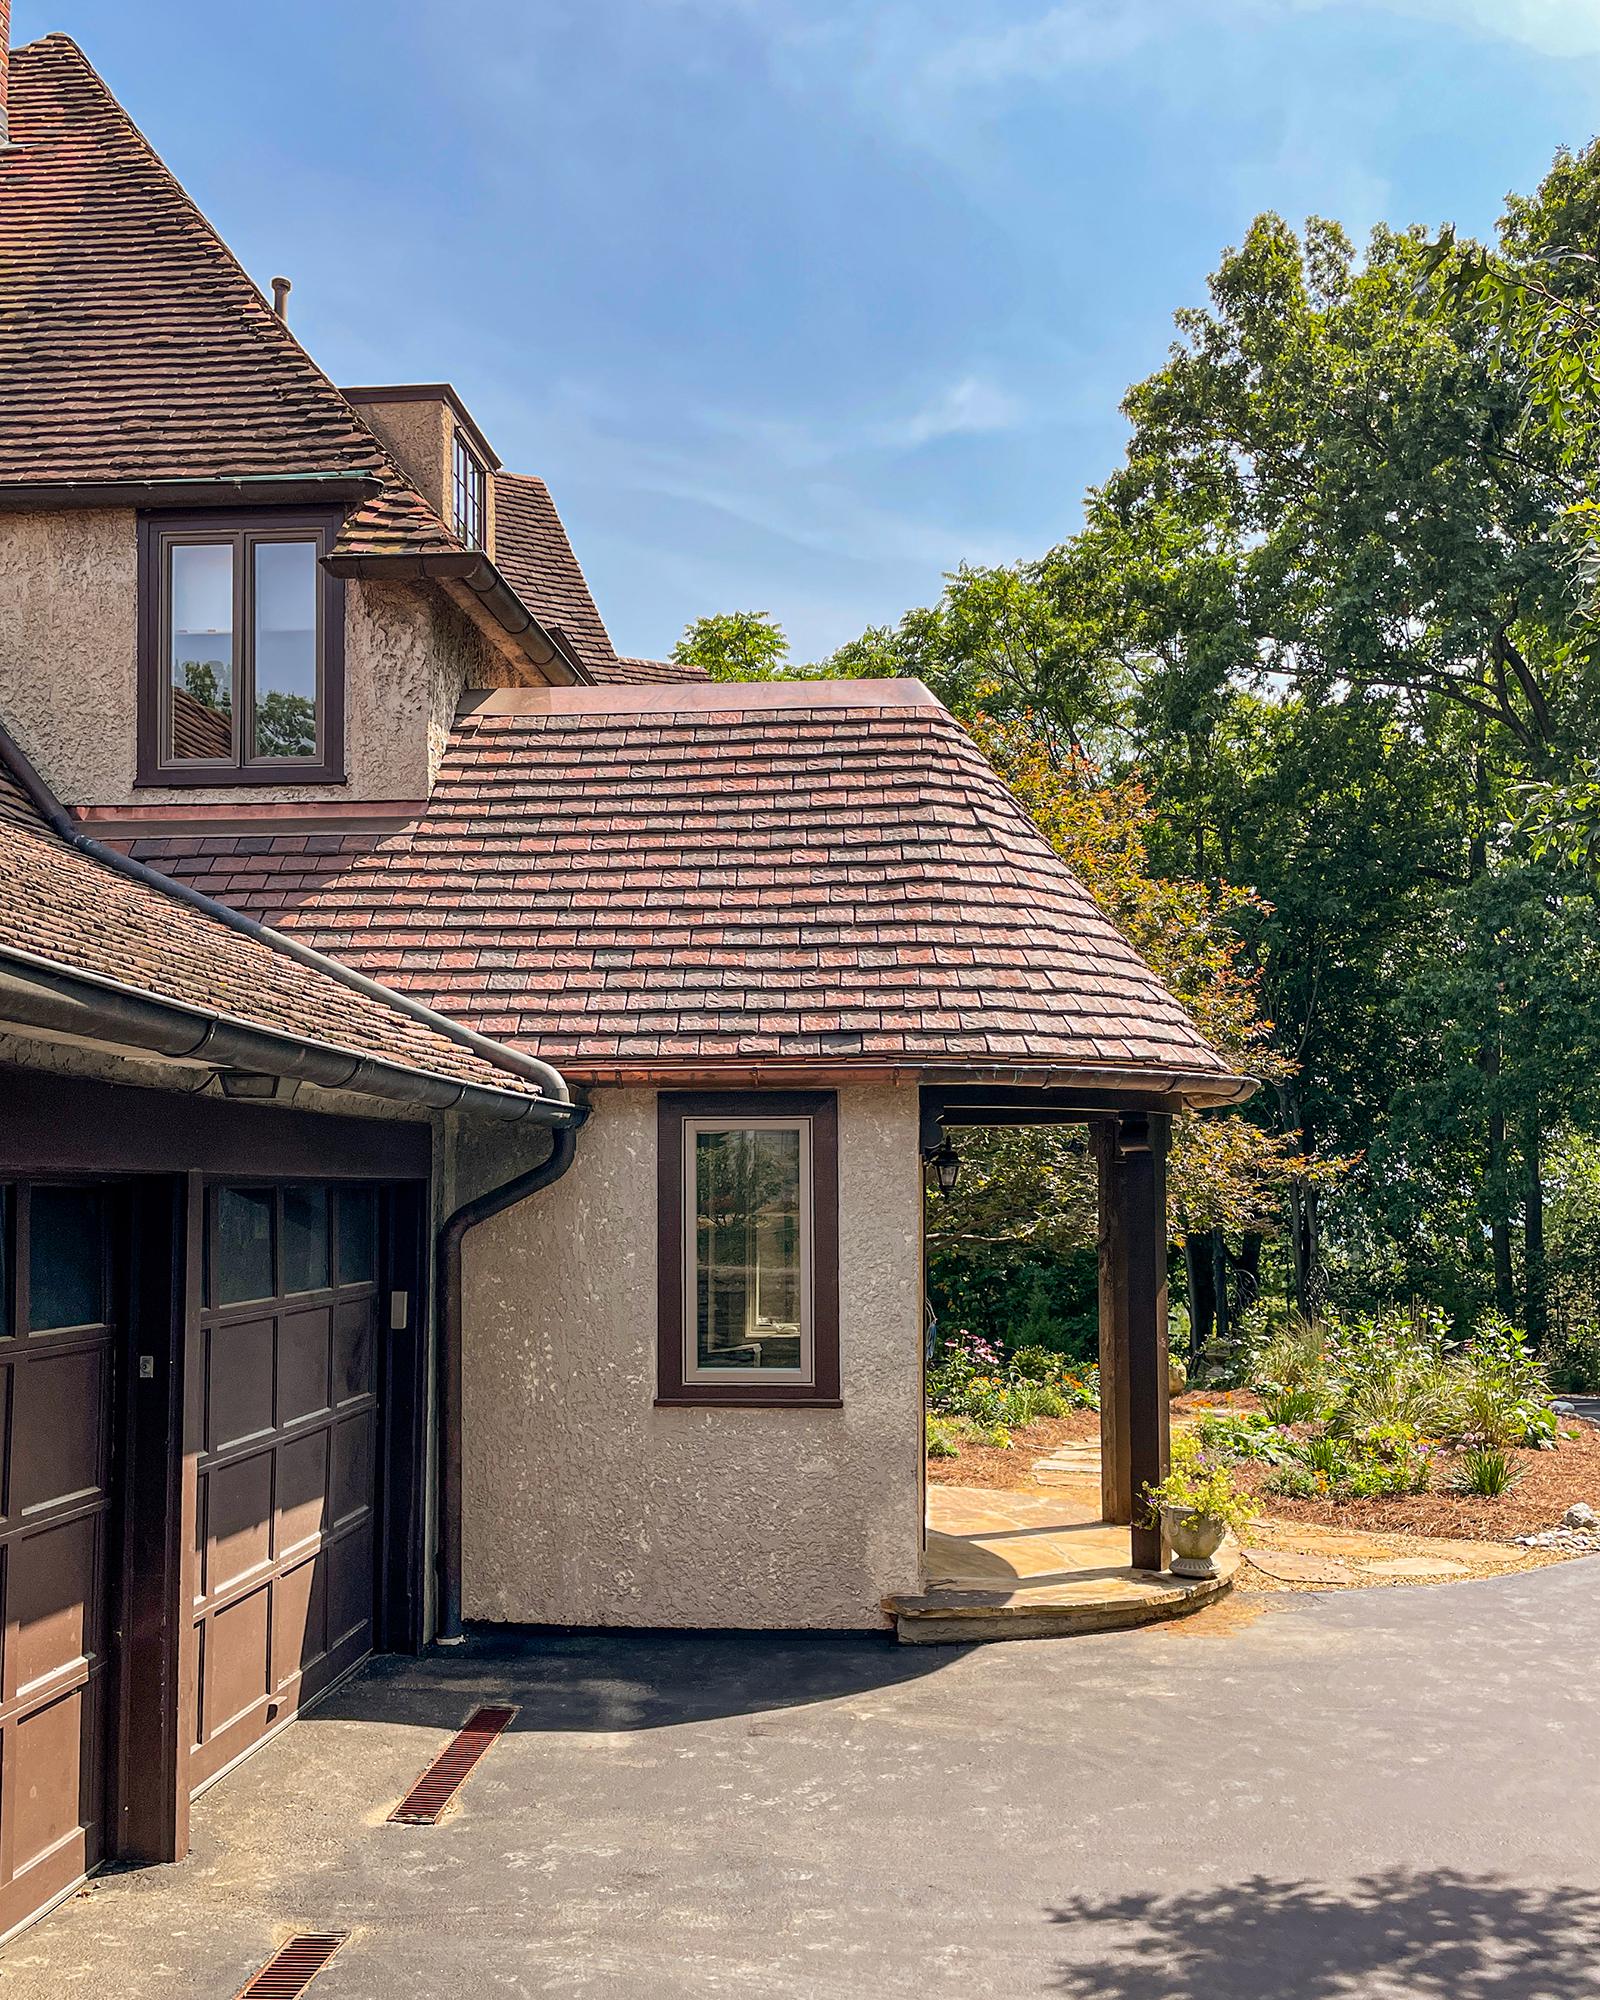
<point>469,486</point>
<point>159,532</point>
<point>674,1112</point>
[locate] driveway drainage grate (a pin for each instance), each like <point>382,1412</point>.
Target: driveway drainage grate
<point>445,1776</point>
<point>291,1969</point>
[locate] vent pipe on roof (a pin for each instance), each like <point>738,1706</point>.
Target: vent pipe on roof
<point>5,71</point>
<point>281,288</point>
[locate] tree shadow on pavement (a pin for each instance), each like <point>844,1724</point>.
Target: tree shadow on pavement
<point>1438,1935</point>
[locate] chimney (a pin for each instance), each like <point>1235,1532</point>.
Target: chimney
<point>5,70</point>
<point>281,287</point>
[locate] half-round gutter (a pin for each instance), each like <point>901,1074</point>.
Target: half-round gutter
<point>451,1238</point>
<point>550,1083</point>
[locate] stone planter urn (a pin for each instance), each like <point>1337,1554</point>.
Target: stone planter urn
<point>1195,1539</point>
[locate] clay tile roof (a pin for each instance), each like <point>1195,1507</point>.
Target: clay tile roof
<point>83,916</point>
<point>633,879</point>
<point>625,669</point>
<point>133,346</point>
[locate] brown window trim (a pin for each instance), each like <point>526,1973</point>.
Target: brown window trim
<point>673,1107</point>
<point>155,530</point>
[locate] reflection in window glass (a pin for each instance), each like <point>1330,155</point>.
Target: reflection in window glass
<point>358,1233</point>
<point>305,1239</point>
<point>749,1197</point>
<point>200,596</point>
<point>66,1258</point>
<point>7,1210</point>
<point>244,1245</point>
<point>285,676</point>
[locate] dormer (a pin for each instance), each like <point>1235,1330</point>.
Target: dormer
<point>448,459</point>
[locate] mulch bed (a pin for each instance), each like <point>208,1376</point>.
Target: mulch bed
<point>1001,1471</point>
<point>1551,1480</point>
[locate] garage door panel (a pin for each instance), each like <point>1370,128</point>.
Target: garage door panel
<point>234,1660</point>
<point>302,1494</point>
<point>238,1383</point>
<point>285,1586</point>
<point>353,1348</point>
<point>54,1787</point>
<point>304,1360</point>
<point>299,1619</point>
<point>349,1586</point>
<point>52,1603</point>
<point>352,1468</point>
<point>237,1518</point>
<point>57,1410</point>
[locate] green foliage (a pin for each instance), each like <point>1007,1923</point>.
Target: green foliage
<point>734,646</point>
<point>1487,1470</point>
<point>971,1380</point>
<point>1013,1296</point>
<point>1229,1434</point>
<point>1198,1484</point>
<point>941,1439</point>
<point>1291,1406</point>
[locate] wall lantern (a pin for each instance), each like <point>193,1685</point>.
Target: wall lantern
<point>946,1165</point>
<point>247,1083</point>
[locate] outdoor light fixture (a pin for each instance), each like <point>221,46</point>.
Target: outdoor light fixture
<point>946,1165</point>
<point>247,1083</point>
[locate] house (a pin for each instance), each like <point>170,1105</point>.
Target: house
<point>464,1095</point>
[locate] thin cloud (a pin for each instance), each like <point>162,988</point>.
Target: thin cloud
<point>970,407</point>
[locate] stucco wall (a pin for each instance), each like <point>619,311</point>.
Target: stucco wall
<point>68,603</point>
<point>586,1505</point>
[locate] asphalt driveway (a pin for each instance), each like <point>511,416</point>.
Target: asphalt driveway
<point>1387,1793</point>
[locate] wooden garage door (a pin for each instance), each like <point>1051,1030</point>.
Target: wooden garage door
<point>282,1416</point>
<point>55,1489</point>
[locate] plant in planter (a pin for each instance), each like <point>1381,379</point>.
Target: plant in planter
<point>1200,1504</point>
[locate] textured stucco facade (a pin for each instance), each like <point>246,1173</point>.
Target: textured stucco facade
<point>585,1504</point>
<point>68,669</point>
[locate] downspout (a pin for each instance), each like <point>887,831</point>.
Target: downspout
<point>451,1238</point>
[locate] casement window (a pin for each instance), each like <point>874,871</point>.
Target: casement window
<point>241,651</point>
<point>470,487</point>
<point>748,1248</point>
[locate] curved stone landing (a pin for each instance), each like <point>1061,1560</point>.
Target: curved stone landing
<point>1035,1566</point>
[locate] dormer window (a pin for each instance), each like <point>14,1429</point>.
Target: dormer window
<point>470,482</point>
<point>241,644</point>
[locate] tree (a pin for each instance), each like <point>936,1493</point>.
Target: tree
<point>734,646</point>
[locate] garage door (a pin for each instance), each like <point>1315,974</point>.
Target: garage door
<point>55,1452</point>
<point>282,1416</point>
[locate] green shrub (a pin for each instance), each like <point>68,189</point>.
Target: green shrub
<point>1486,1470</point>
<point>996,1436</point>
<point>1293,1357</point>
<point>1292,1406</point>
<point>1572,1363</point>
<point>1388,1476</point>
<point>941,1440</point>
<point>1296,1482</point>
<point>1501,1396</point>
<point>1242,1434</point>
<point>1327,1456</point>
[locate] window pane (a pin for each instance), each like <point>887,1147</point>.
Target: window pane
<point>358,1253</point>
<point>305,1239</point>
<point>748,1204</point>
<point>66,1258</point>
<point>286,649</point>
<point>469,481</point>
<point>200,584</point>
<point>244,1245</point>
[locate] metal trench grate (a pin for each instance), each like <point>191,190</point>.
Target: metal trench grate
<point>445,1776</point>
<point>291,1968</point>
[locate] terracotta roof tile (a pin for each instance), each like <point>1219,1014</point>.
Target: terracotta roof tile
<point>132,343</point>
<point>82,915</point>
<point>721,873</point>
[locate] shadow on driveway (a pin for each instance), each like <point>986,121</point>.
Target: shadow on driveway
<point>1440,1935</point>
<point>591,1682</point>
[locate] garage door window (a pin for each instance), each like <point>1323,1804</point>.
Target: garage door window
<point>358,1244</point>
<point>244,1245</point>
<point>306,1263</point>
<point>66,1259</point>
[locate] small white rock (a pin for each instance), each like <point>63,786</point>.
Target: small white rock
<point>1580,1515</point>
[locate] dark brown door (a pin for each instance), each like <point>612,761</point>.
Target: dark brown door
<point>55,1527</point>
<point>282,1422</point>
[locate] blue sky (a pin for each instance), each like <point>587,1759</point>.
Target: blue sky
<point>799,304</point>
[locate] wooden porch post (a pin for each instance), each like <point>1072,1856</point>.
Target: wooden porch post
<point>1133,1322</point>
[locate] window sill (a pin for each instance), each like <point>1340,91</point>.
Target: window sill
<point>752,1398</point>
<point>229,777</point>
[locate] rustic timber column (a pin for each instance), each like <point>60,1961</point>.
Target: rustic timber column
<point>1134,1423</point>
